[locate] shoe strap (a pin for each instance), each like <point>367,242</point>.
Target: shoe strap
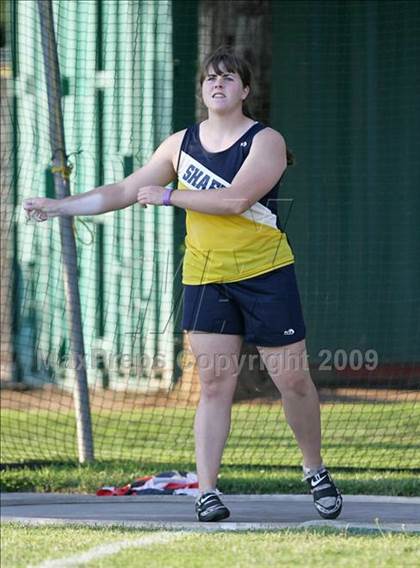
<point>325,491</point>
<point>208,497</point>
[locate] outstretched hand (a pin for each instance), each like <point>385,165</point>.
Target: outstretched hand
<point>150,195</point>
<point>40,208</point>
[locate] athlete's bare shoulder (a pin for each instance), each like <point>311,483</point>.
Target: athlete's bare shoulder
<point>174,143</point>
<point>168,150</point>
<point>268,142</point>
<point>269,136</point>
<point>175,139</point>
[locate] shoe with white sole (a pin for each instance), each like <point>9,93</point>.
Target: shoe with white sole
<point>209,507</point>
<point>327,498</point>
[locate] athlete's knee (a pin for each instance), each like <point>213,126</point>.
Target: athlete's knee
<point>295,383</point>
<point>217,386</point>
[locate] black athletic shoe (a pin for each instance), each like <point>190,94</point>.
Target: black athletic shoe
<point>327,498</point>
<point>209,507</point>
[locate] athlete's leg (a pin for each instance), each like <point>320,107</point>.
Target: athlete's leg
<point>289,371</point>
<point>217,358</point>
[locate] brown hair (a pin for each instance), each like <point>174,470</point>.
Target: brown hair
<point>234,63</point>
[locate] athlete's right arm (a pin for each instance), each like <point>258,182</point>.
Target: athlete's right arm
<point>159,170</point>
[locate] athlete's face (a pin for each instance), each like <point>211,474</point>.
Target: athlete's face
<point>223,92</point>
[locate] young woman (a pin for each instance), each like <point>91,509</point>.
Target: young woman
<point>238,268</point>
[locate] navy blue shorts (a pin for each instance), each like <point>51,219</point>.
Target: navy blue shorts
<point>265,309</point>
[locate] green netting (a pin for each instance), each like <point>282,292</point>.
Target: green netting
<point>117,107</point>
<point>339,80</point>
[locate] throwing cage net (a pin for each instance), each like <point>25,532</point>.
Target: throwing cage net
<point>339,80</point>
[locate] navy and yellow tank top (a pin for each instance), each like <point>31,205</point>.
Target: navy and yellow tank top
<point>228,248</point>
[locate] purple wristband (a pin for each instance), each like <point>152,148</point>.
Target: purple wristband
<point>167,196</point>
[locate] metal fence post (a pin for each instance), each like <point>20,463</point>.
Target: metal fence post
<point>61,182</point>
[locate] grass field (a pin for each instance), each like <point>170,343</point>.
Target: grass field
<point>129,444</point>
<point>23,546</point>
<point>355,435</point>
<point>71,478</point>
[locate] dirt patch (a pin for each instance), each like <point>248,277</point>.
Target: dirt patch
<point>54,399</point>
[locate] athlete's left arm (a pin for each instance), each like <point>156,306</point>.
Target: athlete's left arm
<point>259,173</point>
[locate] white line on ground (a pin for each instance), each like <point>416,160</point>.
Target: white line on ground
<point>109,549</point>
<point>380,526</point>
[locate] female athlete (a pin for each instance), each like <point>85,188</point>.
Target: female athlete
<point>238,270</point>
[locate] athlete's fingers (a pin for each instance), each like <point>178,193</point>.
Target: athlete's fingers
<point>28,204</point>
<point>41,218</point>
<point>141,199</point>
<point>36,209</point>
<point>151,195</point>
<point>35,215</point>
<point>33,203</point>
<point>41,208</point>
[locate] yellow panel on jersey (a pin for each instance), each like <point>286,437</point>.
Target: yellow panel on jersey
<point>227,248</point>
